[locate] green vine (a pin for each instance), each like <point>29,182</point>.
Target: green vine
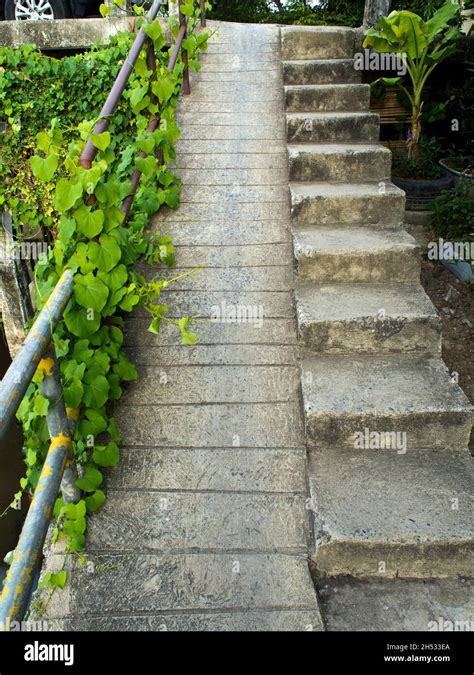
<point>79,213</point>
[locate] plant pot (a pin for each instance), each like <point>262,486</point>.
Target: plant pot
<point>420,193</point>
<point>460,167</point>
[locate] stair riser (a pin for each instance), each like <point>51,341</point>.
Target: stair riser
<point>373,335</point>
<point>333,130</point>
<point>420,560</point>
<point>329,99</point>
<point>377,210</point>
<point>340,167</point>
<point>310,72</point>
<point>382,266</point>
<point>307,44</point>
<point>430,429</point>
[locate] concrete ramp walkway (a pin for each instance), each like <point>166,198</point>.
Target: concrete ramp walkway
<point>207,524</point>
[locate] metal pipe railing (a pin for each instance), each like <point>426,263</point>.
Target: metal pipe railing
<point>37,352</point>
<point>154,122</point>
<point>18,377</point>
<point>110,105</point>
<point>90,151</point>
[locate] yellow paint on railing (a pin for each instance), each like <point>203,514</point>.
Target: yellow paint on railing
<point>73,414</point>
<point>46,366</point>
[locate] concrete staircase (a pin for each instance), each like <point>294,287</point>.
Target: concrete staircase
<point>372,339</point>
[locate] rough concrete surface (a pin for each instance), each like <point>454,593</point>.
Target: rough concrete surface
<point>356,254</point>
<point>206,525</point>
<point>63,33</point>
<point>397,605</point>
<point>359,531</point>
<point>387,425</point>
<point>345,393</point>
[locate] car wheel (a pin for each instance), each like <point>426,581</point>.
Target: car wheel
<point>36,10</point>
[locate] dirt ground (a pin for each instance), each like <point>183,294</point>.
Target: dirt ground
<point>455,304</point>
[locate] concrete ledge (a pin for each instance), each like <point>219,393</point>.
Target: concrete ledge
<point>63,33</point>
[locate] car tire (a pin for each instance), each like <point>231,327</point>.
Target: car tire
<point>55,9</point>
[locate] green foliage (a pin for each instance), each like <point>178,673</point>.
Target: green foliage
<point>54,579</point>
<point>44,104</point>
<point>423,166</point>
<point>424,8</point>
<point>298,12</point>
<point>422,46</point>
<point>453,212</point>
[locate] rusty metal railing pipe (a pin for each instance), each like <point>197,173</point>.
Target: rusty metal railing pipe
<point>19,375</point>
<point>177,47</point>
<point>185,55</point>
<point>153,124</point>
<point>90,151</point>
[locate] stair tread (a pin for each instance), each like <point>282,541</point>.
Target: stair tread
<point>317,29</point>
<point>305,190</point>
<point>194,521</point>
<point>390,383</point>
<point>330,148</point>
<point>330,115</point>
<point>336,240</point>
<point>318,61</point>
<point>336,85</point>
<point>349,302</point>
<point>192,581</point>
<point>406,501</point>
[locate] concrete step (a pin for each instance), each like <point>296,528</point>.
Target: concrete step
<point>321,42</point>
<point>335,127</point>
<point>379,204</point>
<point>211,384</point>
<point>404,604</point>
<point>320,71</point>
<point>230,470</point>
<point>190,584</point>
<point>356,254</point>
<point>415,395</point>
<point>339,162</point>
<point>141,521</point>
<point>383,514</point>
<point>327,98</point>
<point>344,318</point>
<point>247,621</point>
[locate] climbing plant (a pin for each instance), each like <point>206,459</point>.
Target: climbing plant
<point>78,209</point>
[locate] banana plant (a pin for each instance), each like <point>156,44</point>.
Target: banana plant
<point>421,45</point>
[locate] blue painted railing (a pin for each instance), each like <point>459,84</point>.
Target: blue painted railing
<point>37,352</point>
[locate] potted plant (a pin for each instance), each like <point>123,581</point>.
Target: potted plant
<point>453,221</point>
<point>460,168</point>
<point>422,46</point>
<point>420,176</point>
